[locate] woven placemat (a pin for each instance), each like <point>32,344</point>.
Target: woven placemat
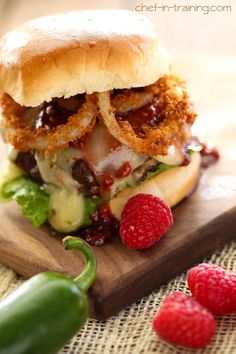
<point>130,331</point>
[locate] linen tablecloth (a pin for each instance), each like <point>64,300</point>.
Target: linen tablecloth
<point>130,331</point>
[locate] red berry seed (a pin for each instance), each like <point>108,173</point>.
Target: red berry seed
<point>144,220</point>
<point>183,321</point>
<point>214,288</point>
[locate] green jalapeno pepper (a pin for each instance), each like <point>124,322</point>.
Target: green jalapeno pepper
<point>43,314</point>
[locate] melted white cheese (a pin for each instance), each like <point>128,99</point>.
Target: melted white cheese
<point>104,156</point>
<point>9,172</point>
<point>66,210</point>
<point>174,156</point>
<point>11,152</point>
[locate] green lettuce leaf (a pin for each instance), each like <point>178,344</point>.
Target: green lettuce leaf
<point>30,196</point>
<point>90,206</point>
<point>161,168</point>
<point>124,185</point>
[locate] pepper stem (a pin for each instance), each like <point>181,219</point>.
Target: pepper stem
<point>87,277</point>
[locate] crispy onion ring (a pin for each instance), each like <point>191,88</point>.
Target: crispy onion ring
<point>174,107</point>
<point>130,100</point>
<point>25,138</point>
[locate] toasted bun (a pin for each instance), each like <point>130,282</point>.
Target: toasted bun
<point>171,186</point>
<point>77,52</point>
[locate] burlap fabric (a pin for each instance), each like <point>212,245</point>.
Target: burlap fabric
<point>130,331</point>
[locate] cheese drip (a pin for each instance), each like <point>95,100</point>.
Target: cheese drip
<point>66,210</point>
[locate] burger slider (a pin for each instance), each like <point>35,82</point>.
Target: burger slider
<point>92,115</point>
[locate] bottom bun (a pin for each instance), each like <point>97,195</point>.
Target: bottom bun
<point>171,186</point>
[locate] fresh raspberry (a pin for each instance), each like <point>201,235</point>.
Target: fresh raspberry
<point>183,321</point>
<point>214,288</point>
<point>144,220</point>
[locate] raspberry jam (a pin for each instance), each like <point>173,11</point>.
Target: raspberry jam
<point>187,158</point>
<point>149,115</point>
<point>124,170</point>
<point>51,116</point>
<point>58,111</point>
<point>104,225</point>
<point>108,181</point>
<point>209,155</point>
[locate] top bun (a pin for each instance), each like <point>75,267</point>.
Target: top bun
<point>78,52</point>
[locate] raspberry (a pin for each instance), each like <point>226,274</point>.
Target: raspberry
<point>144,220</point>
<point>183,321</point>
<point>213,287</point>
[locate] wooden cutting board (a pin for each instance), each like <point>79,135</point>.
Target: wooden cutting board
<point>202,223</point>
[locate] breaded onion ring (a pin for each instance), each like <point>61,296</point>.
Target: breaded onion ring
<point>130,100</point>
<point>177,115</point>
<point>24,137</point>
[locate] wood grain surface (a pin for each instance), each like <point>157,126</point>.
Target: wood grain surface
<point>202,223</point>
